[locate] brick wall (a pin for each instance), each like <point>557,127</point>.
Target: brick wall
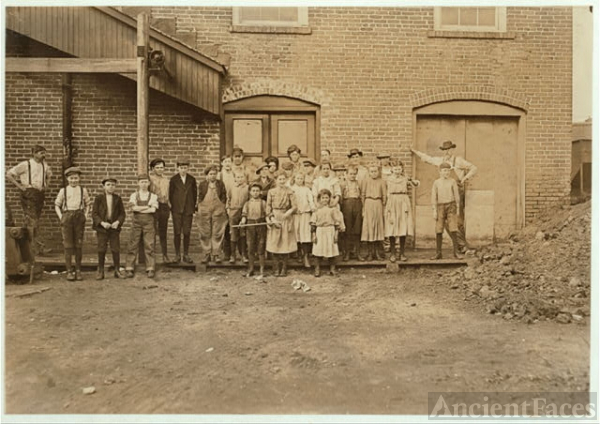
<point>104,134</point>
<point>367,66</point>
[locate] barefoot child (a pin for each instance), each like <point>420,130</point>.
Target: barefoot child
<point>352,212</point>
<point>373,193</point>
<point>281,237</point>
<point>445,201</point>
<point>326,222</point>
<point>255,212</point>
<point>72,206</point>
<point>306,205</point>
<point>144,204</point>
<point>108,215</point>
<point>398,212</point>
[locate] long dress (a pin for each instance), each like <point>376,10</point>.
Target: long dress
<point>398,213</point>
<point>281,238</point>
<point>326,219</point>
<point>373,192</point>
<point>305,205</point>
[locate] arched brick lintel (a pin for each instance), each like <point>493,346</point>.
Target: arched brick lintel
<point>490,94</point>
<point>274,88</point>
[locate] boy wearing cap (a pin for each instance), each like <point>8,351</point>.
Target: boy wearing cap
<point>255,212</point>
<point>212,198</point>
<point>445,201</point>
<point>183,195</point>
<point>237,196</point>
<point>354,158</point>
<point>462,171</point>
<point>144,204</point>
<point>264,180</point>
<point>159,185</point>
<point>309,167</point>
<point>32,177</point>
<point>108,215</point>
<point>72,206</point>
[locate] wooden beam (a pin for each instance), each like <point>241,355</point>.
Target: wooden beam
<point>143,82</point>
<point>71,65</point>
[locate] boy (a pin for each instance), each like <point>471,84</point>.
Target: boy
<point>445,201</point>
<point>309,171</point>
<point>288,169</point>
<point>212,198</point>
<point>108,215</point>
<point>352,212</point>
<point>254,212</point>
<point>238,163</point>
<point>294,153</point>
<point>354,157</point>
<point>237,196</point>
<point>144,204</point>
<point>159,185</point>
<point>226,175</point>
<point>264,180</point>
<point>72,206</point>
<point>384,164</point>
<point>183,195</point>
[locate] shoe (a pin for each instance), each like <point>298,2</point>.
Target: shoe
<point>217,259</point>
<point>317,271</point>
<point>177,259</point>
<point>244,259</point>
<point>378,256</point>
<point>359,257</point>
<point>226,258</point>
<point>119,274</point>
<point>150,273</point>
<point>436,257</point>
<point>249,272</point>
<point>78,275</point>
<point>458,256</point>
<point>206,260</point>
<point>332,271</point>
<point>369,257</point>
<point>166,259</point>
<point>306,262</point>
<point>403,258</point>
<point>346,256</point>
<point>283,272</point>
<point>187,259</point>
<point>71,276</point>
<point>232,260</point>
<point>100,275</point>
<point>392,257</point>
<point>129,274</point>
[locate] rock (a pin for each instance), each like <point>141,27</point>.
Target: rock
<point>540,235</point>
<point>413,304</point>
<point>574,282</point>
<point>248,294</point>
<point>505,260</point>
<point>109,380</point>
<point>577,317</point>
<point>486,293</point>
<point>89,390</point>
<point>563,318</point>
<point>454,286</point>
<point>210,349</point>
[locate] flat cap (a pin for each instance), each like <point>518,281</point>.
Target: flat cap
<point>72,170</point>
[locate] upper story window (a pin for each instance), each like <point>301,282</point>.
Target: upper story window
<point>270,16</point>
<point>482,19</point>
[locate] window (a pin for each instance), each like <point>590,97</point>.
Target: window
<point>482,19</point>
<point>270,16</point>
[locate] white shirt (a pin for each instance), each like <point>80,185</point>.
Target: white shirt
<point>40,172</point>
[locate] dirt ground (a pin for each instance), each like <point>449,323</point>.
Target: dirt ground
<point>366,342</point>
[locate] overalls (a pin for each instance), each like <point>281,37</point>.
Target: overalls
<point>141,226</point>
<point>213,220</point>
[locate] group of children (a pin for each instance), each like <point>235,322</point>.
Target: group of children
<point>302,209</point>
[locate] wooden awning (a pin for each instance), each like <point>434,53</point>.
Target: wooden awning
<point>99,33</point>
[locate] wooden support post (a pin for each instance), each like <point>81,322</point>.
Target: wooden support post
<point>143,39</point>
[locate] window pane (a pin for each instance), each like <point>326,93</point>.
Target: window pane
<point>270,14</point>
<point>247,134</point>
<point>449,16</point>
<point>487,16</point>
<point>250,13</point>
<point>292,132</point>
<point>468,16</point>
<point>288,14</point>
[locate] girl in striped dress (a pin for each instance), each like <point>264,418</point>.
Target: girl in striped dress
<point>281,234</point>
<point>305,206</point>
<point>326,223</point>
<point>398,212</point>
<point>373,193</point>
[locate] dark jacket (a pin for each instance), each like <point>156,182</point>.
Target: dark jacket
<point>221,191</point>
<point>100,212</point>
<point>265,187</point>
<point>183,197</point>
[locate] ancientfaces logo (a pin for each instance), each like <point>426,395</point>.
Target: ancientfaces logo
<point>445,405</point>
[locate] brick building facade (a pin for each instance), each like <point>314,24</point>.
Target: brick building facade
<point>366,72</point>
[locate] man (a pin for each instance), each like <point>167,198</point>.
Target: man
<point>354,157</point>
<point>159,185</point>
<point>183,195</point>
<point>462,171</point>
<point>32,177</point>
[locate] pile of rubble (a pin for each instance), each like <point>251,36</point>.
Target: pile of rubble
<point>541,273</point>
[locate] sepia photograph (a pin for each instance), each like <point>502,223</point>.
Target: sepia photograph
<point>299,212</point>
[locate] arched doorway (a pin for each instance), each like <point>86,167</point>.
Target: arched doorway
<point>492,137</point>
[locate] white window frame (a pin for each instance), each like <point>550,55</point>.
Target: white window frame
<point>301,22</point>
<point>499,27</point>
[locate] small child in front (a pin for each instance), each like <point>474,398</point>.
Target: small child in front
<point>255,212</point>
<point>72,206</point>
<point>144,204</point>
<point>108,215</point>
<point>445,201</point>
<point>326,223</point>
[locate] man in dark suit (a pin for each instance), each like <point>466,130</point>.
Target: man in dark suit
<point>108,216</point>
<point>183,195</point>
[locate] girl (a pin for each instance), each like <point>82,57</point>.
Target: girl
<point>305,206</point>
<point>273,163</point>
<point>398,213</point>
<point>326,222</point>
<point>327,181</point>
<point>374,196</point>
<point>281,237</point>
<point>294,153</point>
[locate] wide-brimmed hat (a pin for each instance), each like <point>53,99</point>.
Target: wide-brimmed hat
<point>293,148</point>
<point>72,170</point>
<point>447,145</point>
<point>355,152</point>
<point>261,167</point>
<point>107,179</point>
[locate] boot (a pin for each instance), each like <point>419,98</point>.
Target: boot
<point>277,263</point>
<point>283,267</point>
<point>250,271</point>
<point>245,255</point>
<point>402,246</point>
<point>177,241</point>
<point>261,262</point>
<point>454,237</point>
<point>378,249</point>
<point>233,258</point>
<point>332,270</point>
<point>317,266</point>
<point>392,249</point>
<point>166,259</point>
<point>438,247</point>
<point>356,245</point>
<point>346,256</point>
<point>306,254</point>
<point>100,274</point>
<point>301,253</point>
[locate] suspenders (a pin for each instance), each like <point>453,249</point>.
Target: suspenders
<point>80,200</point>
<point>43,173</point>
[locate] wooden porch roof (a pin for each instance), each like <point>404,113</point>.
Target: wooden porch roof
<point>103,32</point>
